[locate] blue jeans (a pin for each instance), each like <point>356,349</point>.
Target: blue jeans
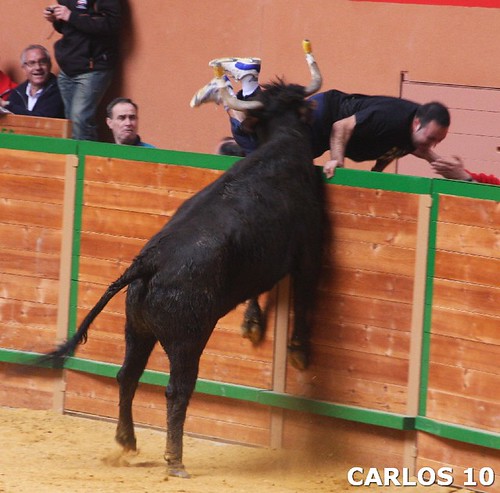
<point>81,95</point>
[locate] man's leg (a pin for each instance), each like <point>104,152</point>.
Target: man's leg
<point>67,89</point>
<point>89,91</point>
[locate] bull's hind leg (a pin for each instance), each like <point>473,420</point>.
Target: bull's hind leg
<point>184,363</point>
<point>138,349</point>
<point>253,322</point>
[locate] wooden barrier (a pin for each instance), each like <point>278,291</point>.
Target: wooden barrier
<point>405,344</point>
<point>35,125</point>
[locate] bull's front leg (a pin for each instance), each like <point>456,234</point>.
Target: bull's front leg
<point>305,281</point>
<point>253,322</point>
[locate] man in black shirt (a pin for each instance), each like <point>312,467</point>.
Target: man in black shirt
<point>380,128</point>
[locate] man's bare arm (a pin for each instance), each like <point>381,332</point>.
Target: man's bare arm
<point>339,137</point>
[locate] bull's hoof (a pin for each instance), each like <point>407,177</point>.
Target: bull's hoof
<point>252,329</point>
<point>126,441</point>
<point>178,471</point>
<point>298,356</point>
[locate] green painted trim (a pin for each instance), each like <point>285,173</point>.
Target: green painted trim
<point>75,262</point>
<point>18,357</point>
<point>429,293</point>
<point>459,433</point>
<point>383,181</point>
<point>340,411</point>
<point>232,391</point>
<point>260,396</point>
<point>37,144</point>
<point>161,156</point>
<point>467,189</point>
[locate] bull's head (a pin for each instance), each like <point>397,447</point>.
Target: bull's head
<point>234,103</point>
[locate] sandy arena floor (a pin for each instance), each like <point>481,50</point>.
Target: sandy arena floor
<point>44,452</point>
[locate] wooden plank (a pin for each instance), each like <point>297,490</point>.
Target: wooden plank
<point>470,355</point>
<point>372,202</point>
<point>334,309</point>
<point>456,454</point>
<point>31,163</point>
<point>124,197</point>
<point>468,297</point>
<point>35,125</point>
<point>32,238</point>
<point>32,388</point>
<point>27,263</point>
<point>101,272</point>
<point>351,364</point>
<point>362,338</point>
<point>32,188</point>
<point>472,212</point>
<point>474,240</point>
<point>466,325</point>
<point>380,230</point>
<point>339,388</point>
<point>143,174</point>
<point>27,337</point>
<point>26,213</point>
<point>367,284</point>
<point>27,313</point>
<point>109,247</point>
<point>371,257</point>
<point>122,223</point>
<point>463,382</point>
<point>346,443</point>
<point>467,268</point>
<point>464,411</point>
<point>28,288</point>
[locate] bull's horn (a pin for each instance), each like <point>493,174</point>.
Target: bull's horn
<point>317,80</point>
<point>229,100</point>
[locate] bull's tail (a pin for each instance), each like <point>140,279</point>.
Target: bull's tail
<point>64,350</point>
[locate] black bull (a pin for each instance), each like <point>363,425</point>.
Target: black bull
<point>259,221</point>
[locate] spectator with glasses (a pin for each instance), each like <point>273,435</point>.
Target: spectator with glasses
<point>39,95</point>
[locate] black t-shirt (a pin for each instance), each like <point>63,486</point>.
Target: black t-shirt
<point>383,124</point>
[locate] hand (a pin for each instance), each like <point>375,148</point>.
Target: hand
<point>48,13</point>
<point>57,13</point>
<point>330,167</point>
<point>451,168</point>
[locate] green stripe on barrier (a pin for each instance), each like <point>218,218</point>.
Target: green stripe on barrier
<point>232,391</point>
<point>459,433</point>
<point>383,181</point>
<point>161,156</point>
<point>38,144</point>
<point>429,293</point>
<point>467,189</point>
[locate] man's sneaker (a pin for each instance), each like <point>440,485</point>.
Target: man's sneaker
<point>238,67</point>
<point>210,92</point>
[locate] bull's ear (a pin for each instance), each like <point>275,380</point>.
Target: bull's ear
<point>306,112</point>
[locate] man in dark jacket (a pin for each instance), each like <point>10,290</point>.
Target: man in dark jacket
<point>39,95</point>
<point>87,55</point>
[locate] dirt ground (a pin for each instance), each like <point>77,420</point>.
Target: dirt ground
<point>44,452</point>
